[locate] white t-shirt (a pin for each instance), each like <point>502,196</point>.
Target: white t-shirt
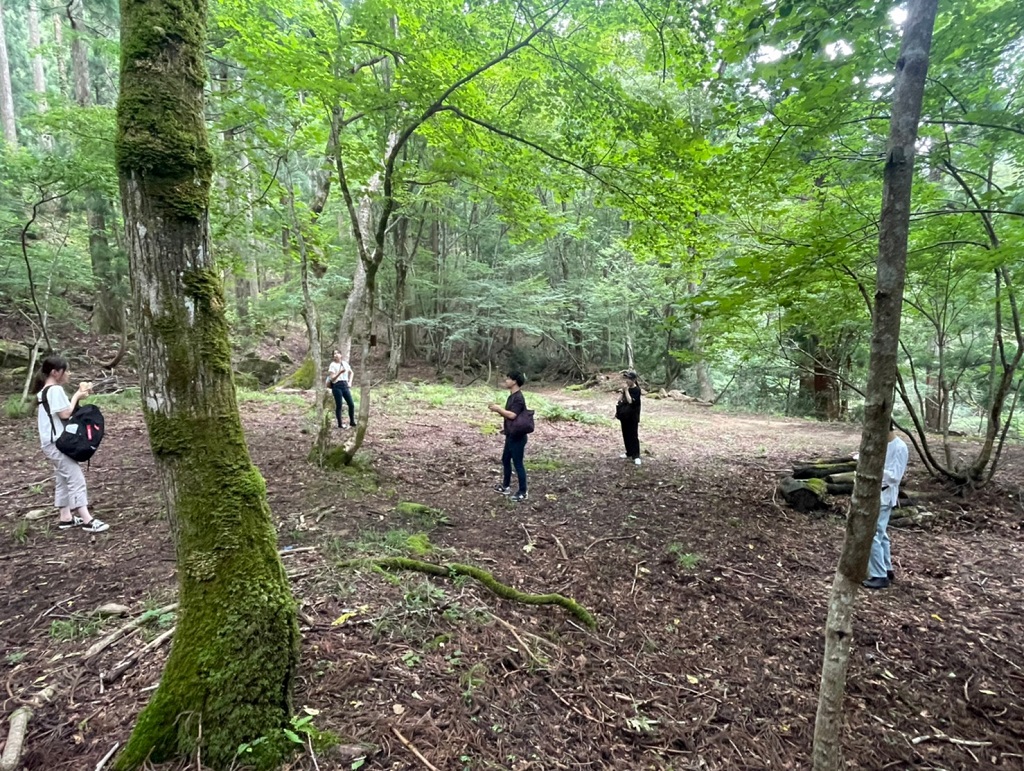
<point>896,457</point>
<point>58,402</point>
<point>338,372</point>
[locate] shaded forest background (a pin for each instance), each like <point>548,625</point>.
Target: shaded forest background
<point>692,192</point>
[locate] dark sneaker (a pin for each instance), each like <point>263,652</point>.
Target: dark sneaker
<point>891,576</point>
<point>501,490</point>
<point>73,522</point>
<point>96,526</point>
<point>876,583</point>
<point>519,497</point>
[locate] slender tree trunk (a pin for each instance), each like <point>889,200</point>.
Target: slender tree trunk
<point>79,54</point>
<point>229,676</point>
<point>912,68</point>
<point>7,123</point>
<point>58,53</point>
<point>35,41</point>
<point>108,313</point>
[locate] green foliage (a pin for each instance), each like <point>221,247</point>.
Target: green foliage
<point>74,628</point>
<point>420,515</point>
<point>17,408</point>
<point>127,400</point>
<point>685,559</point>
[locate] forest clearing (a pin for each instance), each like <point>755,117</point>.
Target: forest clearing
<point>710,597</point>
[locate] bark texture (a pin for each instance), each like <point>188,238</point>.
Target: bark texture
<point>912,69</point>
<point>229,676</point>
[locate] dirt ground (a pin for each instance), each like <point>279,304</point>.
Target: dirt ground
<point>710,598</point>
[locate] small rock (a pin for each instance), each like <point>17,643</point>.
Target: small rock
<point>112,609</point>
<point>37,514</point>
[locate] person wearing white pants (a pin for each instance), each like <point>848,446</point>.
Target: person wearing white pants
<point>70,494</point>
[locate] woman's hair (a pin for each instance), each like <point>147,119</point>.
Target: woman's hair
<point>52,363</point>
<point>629,374</point>
<point>518,377</point>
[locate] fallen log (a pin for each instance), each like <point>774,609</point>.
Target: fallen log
<point>846,478</point>
<point>822,470</point>
<point>840,488</point>
<point>826,461</point>
<point>803,494</point>
<point>11,758</point>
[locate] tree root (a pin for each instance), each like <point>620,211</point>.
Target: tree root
<point>455,569</point>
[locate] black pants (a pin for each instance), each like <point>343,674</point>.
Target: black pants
<point>515,449</point>
<point>630,430</point>
<point>340,390</point>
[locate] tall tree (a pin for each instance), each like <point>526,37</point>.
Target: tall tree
<point>229,676</point>
<point>108,313</point>
<point>894,226</point>
<point>7,123</point>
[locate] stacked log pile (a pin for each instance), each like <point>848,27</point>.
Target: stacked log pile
<point>806,487</point>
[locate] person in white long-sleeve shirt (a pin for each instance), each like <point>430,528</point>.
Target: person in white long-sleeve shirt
<point>880,573</point>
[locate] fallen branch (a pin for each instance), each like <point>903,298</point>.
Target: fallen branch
<point>117,634</point>
<point>11,759</point>
<point>413,750</point>
<point>942,737</point>
<point>515,634</point>
<point>115,673</point>
<point>108,756</point>
<point>455,569</point>
<point>609,538</point>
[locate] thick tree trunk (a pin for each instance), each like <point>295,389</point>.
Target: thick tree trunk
<point>229,676</point>
<point>7,123</point>
<point>912,68</point>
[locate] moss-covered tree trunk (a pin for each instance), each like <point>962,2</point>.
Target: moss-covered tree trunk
<point>229,676</point>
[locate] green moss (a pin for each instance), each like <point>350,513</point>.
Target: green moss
<point>304,377</point>
<point>817,486</point>
<point>161,138</point>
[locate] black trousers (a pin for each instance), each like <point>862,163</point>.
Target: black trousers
<point>340,390</point>
<point>630,436</point>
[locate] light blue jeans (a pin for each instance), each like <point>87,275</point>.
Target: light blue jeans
<point>881,561</point>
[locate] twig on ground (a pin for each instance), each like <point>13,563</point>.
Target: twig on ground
<point>413,750</point>
<point>939,736</point>
<point>312,754</point>
<point>584,715</point>
<point>560,547</point>
<point>120,669</point>
<point>22,487</point>
<point>11,758</point>
<point>526,647</point>
<point>296,550</point>
<point>108,756</point>
<point>117,634</point>
<point>609,538</point>
<point>636,574</point>
<point>529,538</point>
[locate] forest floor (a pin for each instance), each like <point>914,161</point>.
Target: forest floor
<point>710,596</point>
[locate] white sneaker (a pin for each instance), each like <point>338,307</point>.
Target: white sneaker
<point>623,455</point>
<point>96,526</point>
<point>636,461</point>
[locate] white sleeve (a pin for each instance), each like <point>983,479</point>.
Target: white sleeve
<point>896,457</point>
<point>57,400</point>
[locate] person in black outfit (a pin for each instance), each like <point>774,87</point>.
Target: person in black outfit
<point>515,446</point>
<point>627,411</point>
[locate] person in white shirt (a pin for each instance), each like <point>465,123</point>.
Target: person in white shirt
<point>70,495</point>
<point>880,573</point>
<point>339,375</point>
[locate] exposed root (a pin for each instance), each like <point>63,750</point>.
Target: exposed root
<point>502,590</point>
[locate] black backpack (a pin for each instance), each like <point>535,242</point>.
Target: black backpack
<point>83,431</point>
